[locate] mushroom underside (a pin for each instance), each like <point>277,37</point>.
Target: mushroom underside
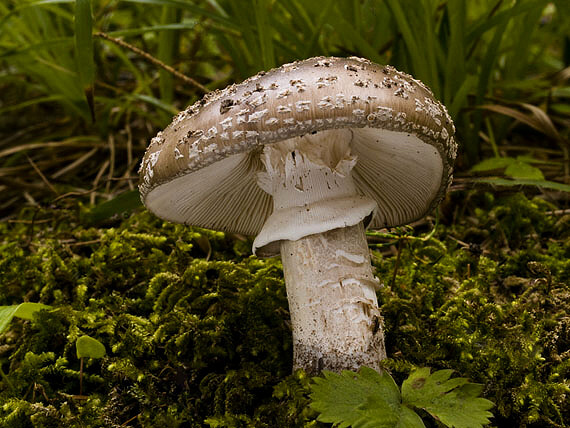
<point>397,170</point>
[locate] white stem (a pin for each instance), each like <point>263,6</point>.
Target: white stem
<point>317,223</point>
<point>332,300</point>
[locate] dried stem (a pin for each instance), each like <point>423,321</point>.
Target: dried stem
<point>153,60</point>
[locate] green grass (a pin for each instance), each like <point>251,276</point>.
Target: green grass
<point>476,56</point>
<point>457,48</point>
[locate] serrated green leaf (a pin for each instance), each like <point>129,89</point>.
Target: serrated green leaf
<point>409,419</point>
<point>87,347</point>
<point>23,310</point>
<point>373,415</point>
<point>453,402</point>
<point>345,399</point>
<point>366,399</point>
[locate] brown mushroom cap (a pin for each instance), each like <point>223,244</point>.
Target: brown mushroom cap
<point>202,169</point>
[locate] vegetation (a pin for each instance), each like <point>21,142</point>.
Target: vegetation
<point>372,399</point>
<point>192,339</point>
<point>163,324</point>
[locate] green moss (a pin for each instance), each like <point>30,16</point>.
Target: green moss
<point>186,336</point>
<point>197,331</point>
<point>496,311</point>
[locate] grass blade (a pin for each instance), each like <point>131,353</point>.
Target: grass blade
<point>361,46</point>
<point>415,23</point>
<point>455,75</point>
<point>192,8</point>
<point>498,20</point>
<point>265,34</point>
<point>84,50</point>
<point>404,26</point>
<point>487,66</point>
<point>311,48</point>
<point>167,47</point>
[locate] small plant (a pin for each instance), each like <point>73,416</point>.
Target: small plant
<point>369,399</point>
<point>87,347</point>
<point>23,310</point>
<point>517,171</point>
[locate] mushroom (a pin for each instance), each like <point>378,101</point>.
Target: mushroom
<point>307,156</point>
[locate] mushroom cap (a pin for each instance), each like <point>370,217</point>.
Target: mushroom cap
<point>202,169</point>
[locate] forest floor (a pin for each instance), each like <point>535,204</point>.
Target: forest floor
<point>196,330</point>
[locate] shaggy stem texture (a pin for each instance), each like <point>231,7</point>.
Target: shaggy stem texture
<point>318,223</point>
<point>332,300</point>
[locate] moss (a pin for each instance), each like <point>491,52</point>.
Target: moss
<point>197,331</point>
<point>180,329</point>
<point>493,314</point>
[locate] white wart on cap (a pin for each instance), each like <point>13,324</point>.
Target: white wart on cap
<point>208,167</point>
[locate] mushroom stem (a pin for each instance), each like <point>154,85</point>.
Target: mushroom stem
<point>317,224</point>
<point>332,300</point>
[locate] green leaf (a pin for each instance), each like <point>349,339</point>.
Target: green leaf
<point>23,310</point>
<point>339,397</point>
<point>121,205</point>
<point>453,402</point>
<point>515,168</point>
<point>369,399</point>
<point>366,399</point>
<point>6,315</point>
<point>28,309</point>
<point>87,347</point>
<point>523,170</point>
<point>407,418</point>
<point>545,184</point>
<point>493,163</point>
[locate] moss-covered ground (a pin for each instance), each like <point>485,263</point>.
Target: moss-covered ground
<point>197,330</point>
